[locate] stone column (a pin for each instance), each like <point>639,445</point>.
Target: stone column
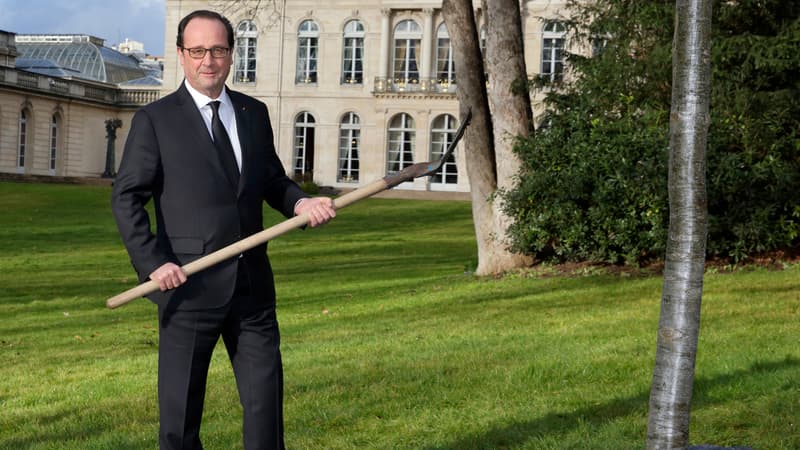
<point>427,44</point>
<point>383,80</point>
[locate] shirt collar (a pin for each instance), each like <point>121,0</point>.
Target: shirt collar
<point>202,100</point>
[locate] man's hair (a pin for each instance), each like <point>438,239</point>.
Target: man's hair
<point>205,14</point>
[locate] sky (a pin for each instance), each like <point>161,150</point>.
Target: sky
<point>112,20</point>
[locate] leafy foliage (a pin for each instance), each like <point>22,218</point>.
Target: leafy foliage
<point>593,186</point>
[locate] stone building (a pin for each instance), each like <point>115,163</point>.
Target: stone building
<point>358,89</point>
<point>61,96</point>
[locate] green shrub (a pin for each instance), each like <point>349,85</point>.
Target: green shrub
<point>309,187</point>
<point>594,182</point>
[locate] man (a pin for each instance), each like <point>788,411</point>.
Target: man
<point>208,186</point>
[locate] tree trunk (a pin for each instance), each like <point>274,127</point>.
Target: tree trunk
<point>679,325</point>
<point>484,172</point>
<point>512,116</point>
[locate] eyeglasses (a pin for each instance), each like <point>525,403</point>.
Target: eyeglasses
<point>200,52</point>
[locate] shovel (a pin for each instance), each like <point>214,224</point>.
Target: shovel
<point>239,247</point>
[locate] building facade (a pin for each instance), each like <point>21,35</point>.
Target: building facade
<point>61,97</point>
<point>359,89</point>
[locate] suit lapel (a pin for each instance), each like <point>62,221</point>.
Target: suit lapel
<point>243,127</point>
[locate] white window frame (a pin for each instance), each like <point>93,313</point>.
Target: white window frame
<point>443,131</point>
<point>353,53</point>
<point>445,67</point>
<point>304,125</point>
<point>246,45</point>
<point>401,142</point>
<point>307,52</point>
<point>554,43</point>
<point>405,52</point>
<point>349,147</point>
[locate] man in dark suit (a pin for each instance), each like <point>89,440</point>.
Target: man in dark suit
<point>205,156</point>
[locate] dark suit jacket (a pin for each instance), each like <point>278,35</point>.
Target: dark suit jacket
<point>169,157</point>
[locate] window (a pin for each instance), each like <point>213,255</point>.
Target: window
<point>304,147</point>
<point>442,134</point>
<point>307,46</point>
<point>553,40</point>
<point>349,142</point>
<point>445,69</point>
<point>353,53</point>
<point>23,139</point>
<point>407,38</point>
<point>400,151</point>
<point>53,143</point>
<point>246,39</point>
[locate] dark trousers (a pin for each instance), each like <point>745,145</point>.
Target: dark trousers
<point>187,340</point>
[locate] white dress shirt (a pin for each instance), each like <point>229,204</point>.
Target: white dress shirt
<point>226,115</point>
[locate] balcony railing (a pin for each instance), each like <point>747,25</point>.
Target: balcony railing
<point>27,80</point>
<point>384,85</point>
<point>78,89</point>
<point>137,97</point>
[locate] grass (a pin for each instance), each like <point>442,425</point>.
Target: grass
<point>387,342</point>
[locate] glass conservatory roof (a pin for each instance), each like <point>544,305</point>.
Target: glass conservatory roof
<point>79,56</point>
<point>144,81</point>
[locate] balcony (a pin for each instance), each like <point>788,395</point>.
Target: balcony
<point>384,86</point>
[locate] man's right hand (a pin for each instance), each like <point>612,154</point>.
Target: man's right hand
<point>169,276</point>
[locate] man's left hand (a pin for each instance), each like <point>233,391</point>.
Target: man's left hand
<point>320,210</point>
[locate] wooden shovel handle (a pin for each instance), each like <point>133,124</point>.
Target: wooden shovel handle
<point>239,247</point>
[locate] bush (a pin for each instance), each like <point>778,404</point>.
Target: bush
<point>590,190</point>
<point>309,187</point>
<point>594,180</point>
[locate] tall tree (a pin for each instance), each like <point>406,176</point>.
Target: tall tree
<point>679,325</point>
<point>491,162</point>
<point>492,165</point>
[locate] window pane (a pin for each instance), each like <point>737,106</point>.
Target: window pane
<point>349,140</point>
<point>400,148</point>
<point>245,53</point>
<point>442,134</point>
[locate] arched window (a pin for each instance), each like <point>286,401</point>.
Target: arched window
<point>246,40</point>
<point>445,69</point>
<point>553,44</point>
<point>307,46</point>
<point>400,148</point>
<point>304,147</point>
<point>23,139</point>
<point>407,38</point>
<point>443,132</point>
<point>349,144</point>
<point>54,123</point>
<point>353,53</point>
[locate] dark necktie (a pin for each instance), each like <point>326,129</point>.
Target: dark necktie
<point>223,144</point>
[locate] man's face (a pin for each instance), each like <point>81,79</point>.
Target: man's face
<point>207,74</point>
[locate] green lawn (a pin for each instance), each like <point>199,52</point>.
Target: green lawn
<point>388,341</point>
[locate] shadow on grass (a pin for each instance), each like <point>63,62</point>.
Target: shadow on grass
<point>552,425</point>
<point>61,429</point>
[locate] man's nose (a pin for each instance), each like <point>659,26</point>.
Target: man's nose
<point>207,58</point>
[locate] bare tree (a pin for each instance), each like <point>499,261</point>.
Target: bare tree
<point>679,326</point>
<point>491,162</point>
<point>268,11</point>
